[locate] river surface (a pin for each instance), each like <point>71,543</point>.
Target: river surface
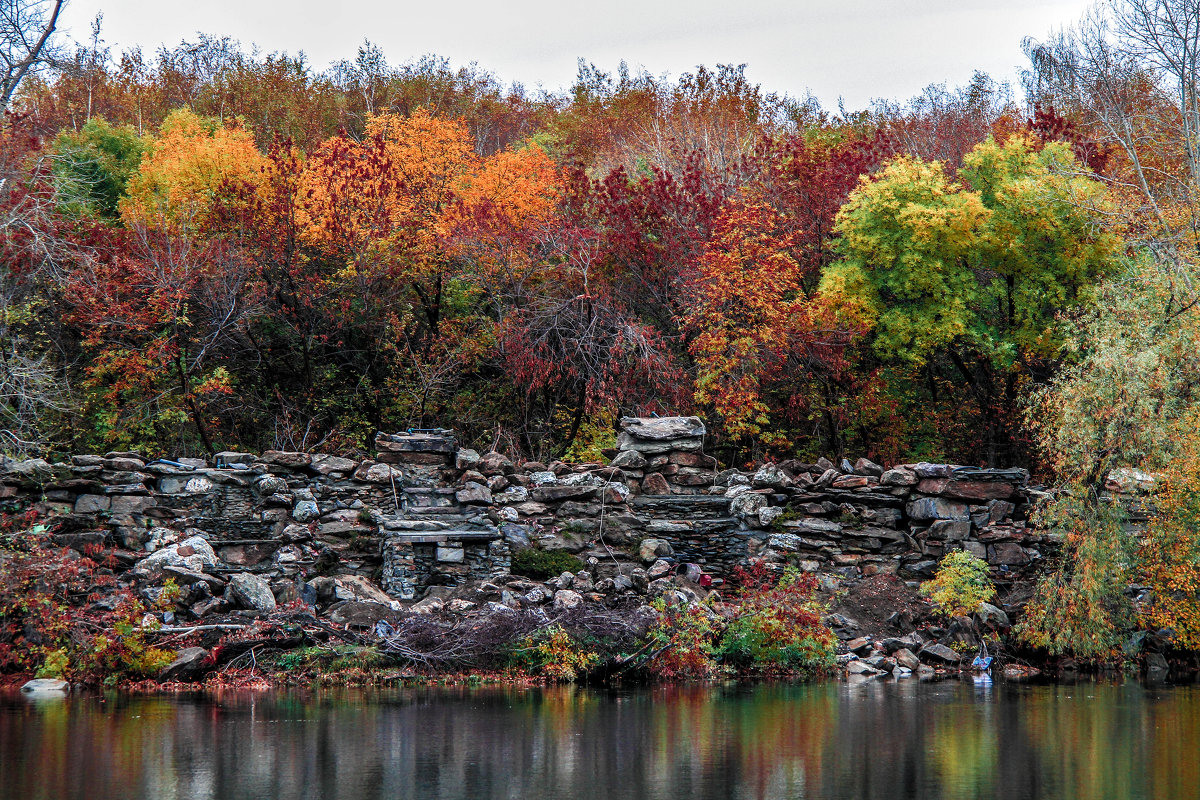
<point>953,739</point>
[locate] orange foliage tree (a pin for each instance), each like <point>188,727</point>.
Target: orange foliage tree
<point>759,339</point>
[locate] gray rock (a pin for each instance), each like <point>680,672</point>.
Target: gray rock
<point>651,549</point>
<point>629,459</point>
<point>770,476</point>
<point>992,615</point>
<point>768,515</point>
<point>495,464</point>
<point>46,686</point>
<point>659,569</point>
<point>859,667</point>
<point>194,554</point>
<point>940,654</point>
<point>466,459</point>
<point>513,494</point>
<point>663,428</point>
<point>306,511</point>
<point>931,508</point>
<point>952,530</point>
<point>865,466</point>
<point>813,525</point>
<point>370,472</point>
<point>474,494</point>
<point>328,465</point>
<point>860,646</point>
<point>1008,553</point>
<point>517,536</point>
<point>907,658</point>
<point>285,458</point>
<point>899,476</point>
<point>250,591</point>
<point>745,505</point>
<point>91,503</point>
<point>268,485</point>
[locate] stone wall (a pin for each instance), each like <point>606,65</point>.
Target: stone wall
<point>425,512</point>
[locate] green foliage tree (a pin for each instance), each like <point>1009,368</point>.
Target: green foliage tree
<point>972,274</point>
<point>93,166</point>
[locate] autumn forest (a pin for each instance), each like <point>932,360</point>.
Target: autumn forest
<point>207,248</point>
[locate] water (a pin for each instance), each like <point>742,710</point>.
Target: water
<point>953,739</point>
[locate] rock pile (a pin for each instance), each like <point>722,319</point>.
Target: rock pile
<point>664,455</point>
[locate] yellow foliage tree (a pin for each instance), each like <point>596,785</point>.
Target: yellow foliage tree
<point>190,162</point>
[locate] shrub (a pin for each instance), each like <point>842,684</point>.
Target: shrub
<point>683,640</point>
<point>960,584</point>
<point>777,628</point>
<point>553,652</point>
<point>542,564</point>
<point>49,622</point>
<point>123,650</point>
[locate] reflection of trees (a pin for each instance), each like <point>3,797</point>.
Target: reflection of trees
<point>874,740</point>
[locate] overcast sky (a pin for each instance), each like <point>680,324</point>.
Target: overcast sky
<point>854,49</point>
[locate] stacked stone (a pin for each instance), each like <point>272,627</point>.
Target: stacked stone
<point>664,455</point>
<point>554,506</point>
<point>426,513</point>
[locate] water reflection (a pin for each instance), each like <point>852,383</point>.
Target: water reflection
<point>871,740</point>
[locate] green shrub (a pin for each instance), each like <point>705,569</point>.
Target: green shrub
<point>778,628</point>
<point>542,564</point>
<point>960,584</point>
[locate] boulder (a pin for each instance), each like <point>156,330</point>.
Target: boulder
<point>950,529</point>
<point>306,511</point>
<point>91,503</point>
<point>770,476</point>
<point>992,615</point>
<point>46,686</point>
<point>1008,553</point>
<point>268,485</point>
<point>495,464</point>
<point>566,599</point>
<point>474,494</point>
<point>629,459</point>
<point>663,428</point>
<point>858,667</point>
<point>187,666</point>
<point>328,465</point>
<point>865,466</point>
<point>250,591</point>
<point>370,472</point>
<point>907,659</point>
<point>356,587</point>
<point>359,614</point>
<point>768,515</point>
<point>860,646</point>
<point>285,458</point>
<point>194,554</point>
<point>977,491</point>
<point>899,476</point>
<point>940,654</point>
